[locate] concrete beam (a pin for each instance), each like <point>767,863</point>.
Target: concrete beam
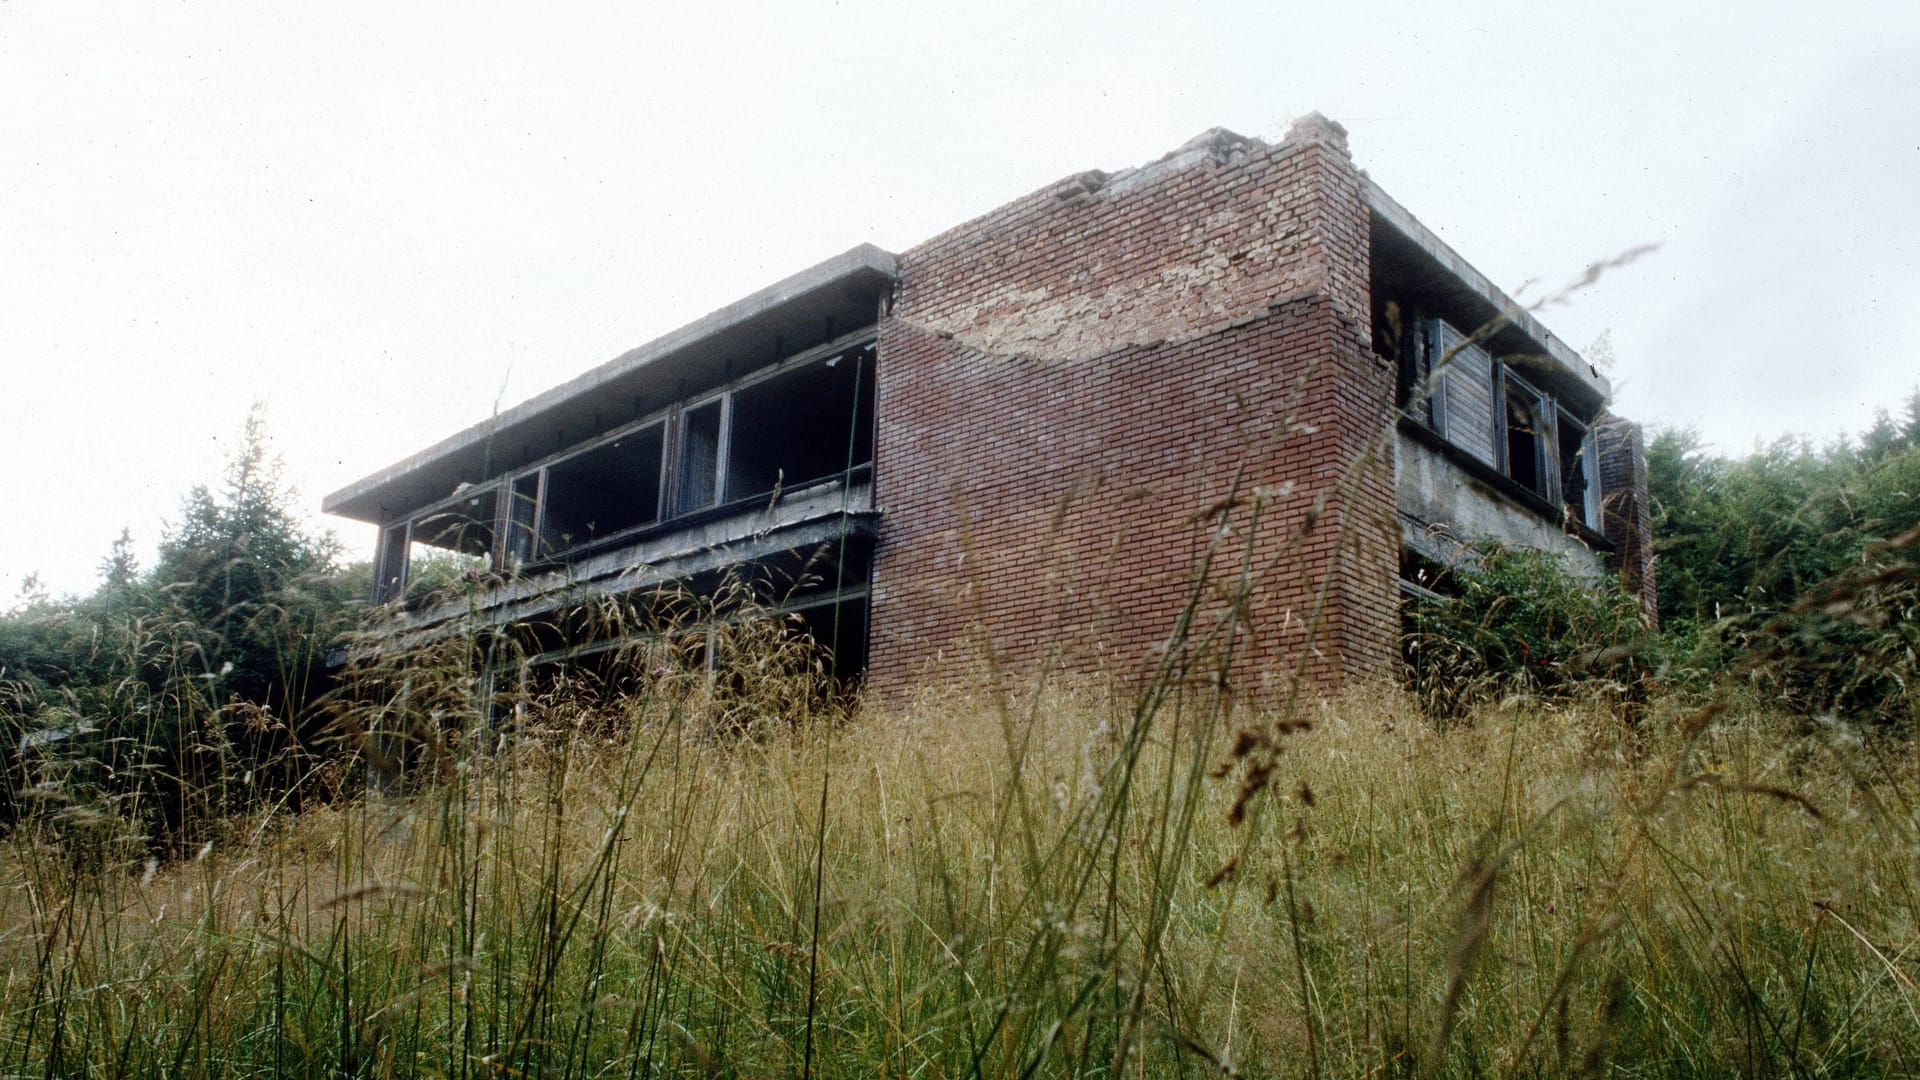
<point>844,289</point>
<point>822,514</point>
<point>1403,222</point>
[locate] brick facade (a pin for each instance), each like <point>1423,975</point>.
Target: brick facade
<point>1066,386</point>
<point>1073,400</point>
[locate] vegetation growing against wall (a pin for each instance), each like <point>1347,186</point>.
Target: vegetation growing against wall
<point>1515,620</point>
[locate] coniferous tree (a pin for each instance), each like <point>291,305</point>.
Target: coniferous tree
<point>121,568</point>
<point>241,568</point>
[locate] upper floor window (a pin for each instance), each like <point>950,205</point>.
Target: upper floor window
<point>1547,450</point>
<point>1458,389</point>
<point>789,427</point>
<point>455,535</point>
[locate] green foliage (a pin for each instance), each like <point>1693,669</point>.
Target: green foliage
<point>433,572</point>
<point>175,697</point>
<point>1795,566</point>
<point>1514,619</point>
<point>1005,883</point>
<point>992,880</point>
<point>240,566</point>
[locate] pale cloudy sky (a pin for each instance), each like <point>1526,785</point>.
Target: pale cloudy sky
<point>382,219</point>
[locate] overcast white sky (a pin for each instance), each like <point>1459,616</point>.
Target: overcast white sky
<point>382,219</point>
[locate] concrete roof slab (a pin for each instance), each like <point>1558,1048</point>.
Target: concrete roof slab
<point>795,313</point>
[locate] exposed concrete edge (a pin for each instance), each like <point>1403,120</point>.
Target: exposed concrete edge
<point>674,557</point>
<point>1409,226</point>
<point>864,259</point>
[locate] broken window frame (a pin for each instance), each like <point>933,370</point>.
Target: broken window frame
<point>520,523</point>
<point>1421,367</point>
<point>421,520</point>
<point>550,544</point>
<point>859,346</point>
<point>722,404</point>
<point>1546,479</point>
<point>522,530</point>
<point>836,441</point>
<point>528,542</point>
<point>1551,478</point>
<point>1438,356</point>
<point>391,561</point>
<point>1586,459</point>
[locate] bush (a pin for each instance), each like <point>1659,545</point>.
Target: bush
<point>1847,648</point>
<point>173,698</point>
<point>1796,569</point>
<point>1515,619</point>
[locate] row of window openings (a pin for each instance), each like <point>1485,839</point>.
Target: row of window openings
<point>1537,443</point>
<point>794,428</point>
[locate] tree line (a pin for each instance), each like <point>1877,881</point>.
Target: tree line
<point>1796,567</point>
<point>1789,574</point>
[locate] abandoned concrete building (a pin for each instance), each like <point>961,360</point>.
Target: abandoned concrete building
<point>1024,433</point>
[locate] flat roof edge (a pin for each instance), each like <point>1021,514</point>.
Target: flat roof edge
<point>1402,219</point>
<point>864,260</point>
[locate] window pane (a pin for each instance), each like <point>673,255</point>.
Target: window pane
<point>522,517</point>
<point>699,479</point>
<point>609,489</point>
<point>799,426</point>
<point>465,526</point>
<point>1525,432</point>
<point>391,576</point>
<point>1576,468</point>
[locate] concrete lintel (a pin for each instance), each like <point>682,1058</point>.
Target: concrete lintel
<point>372,497</point>
<point>1409,226</point>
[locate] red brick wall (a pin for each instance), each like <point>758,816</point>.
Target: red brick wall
<point>1067,384</point>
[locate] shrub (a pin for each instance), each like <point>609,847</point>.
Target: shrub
<point>1796,569</point>
<point>1515,619</point>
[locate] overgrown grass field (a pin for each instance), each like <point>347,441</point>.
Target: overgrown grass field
<point>1575,846</point>
<point>997,879</point>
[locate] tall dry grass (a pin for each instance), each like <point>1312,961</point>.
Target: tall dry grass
<point>1010,881</point>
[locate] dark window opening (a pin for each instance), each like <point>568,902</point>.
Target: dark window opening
<point>1422,576</point>
<point>391,574</point>
<point>800,426</point>
<point>607,490</point>
<point>1575,466</point>
<point>840,629</point>
<point>523,507</point>
<point>451,543</point>
<point>464,526</point>
<point>797,426</point>
<point>698,482</point>
<point>1418,386</point>
<point>1417,350</point>
<point>1527,431</point>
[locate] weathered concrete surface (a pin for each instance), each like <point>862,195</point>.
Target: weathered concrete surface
<point>845,289</point>
<point>1497,302</point>
<point>1443,506</point>
<point>821,513</point>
